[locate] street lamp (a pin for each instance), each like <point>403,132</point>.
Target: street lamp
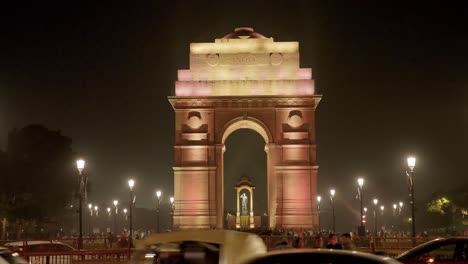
<point>395,206</point>
<point>90,207</point>
<point>362,229</point>
<point>108,211</point>
<point>115,215</point>
<point>332,196</point>
<point>80,164</point>
<point>131,183</point>
<point>319,199</point>
<point>382,209</point>
<point>375,201</point>
<point>158,195</point>
<point>411,164</point>
<point>96,208</point>
<point>172,211</point>
<point>125,213</point>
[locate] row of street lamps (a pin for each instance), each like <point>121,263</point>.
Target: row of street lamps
<point>80,164</point>
<point>411,162</point>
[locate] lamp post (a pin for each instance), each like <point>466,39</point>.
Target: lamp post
<point>96,212</point>
<point>109,212</point>
<point>158,195</point>
<point>332,196</point>
<point>319,199</point>
<point>375,201</point>
<point>80,164</point>
<point>364,217</point>
<point>90,207</point>
<point>125,213</point>
<point>131,183</point>
<point>115,216</point>
<point>411,164</point>
<point>362,229</point>
<point>172,212</point>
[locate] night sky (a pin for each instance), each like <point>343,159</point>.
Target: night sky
<point>394,81</point>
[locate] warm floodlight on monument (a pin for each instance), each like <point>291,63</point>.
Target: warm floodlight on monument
<point>80,164</point>
<point>410,173</point>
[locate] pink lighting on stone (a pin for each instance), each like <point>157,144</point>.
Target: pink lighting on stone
<point>245,81</point>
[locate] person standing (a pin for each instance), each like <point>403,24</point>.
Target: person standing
<point>347,242</point>
<point>318,242</point>
<point>333,242</point>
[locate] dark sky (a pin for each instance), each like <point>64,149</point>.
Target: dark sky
<point>393,80</point>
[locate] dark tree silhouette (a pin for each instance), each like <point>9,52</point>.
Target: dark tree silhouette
<point>40,175</point>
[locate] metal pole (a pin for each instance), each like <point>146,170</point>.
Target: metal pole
<point>333,212</point>
<point>318,213</point>
<point>115,222</point>
<point>413,220</point>
<point>172,217</point>
<point>362,208</point>
<point>157,212</point>
<point>80,210</point>
<point>375,222</point>
<point>131,219</point>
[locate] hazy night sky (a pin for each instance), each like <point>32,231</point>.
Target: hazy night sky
<point>394,81</point>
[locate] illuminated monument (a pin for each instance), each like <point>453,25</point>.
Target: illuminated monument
<point>245,81</point>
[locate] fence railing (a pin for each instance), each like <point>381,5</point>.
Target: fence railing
<point>107,256</point>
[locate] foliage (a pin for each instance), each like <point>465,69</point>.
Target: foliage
<point>451,205</point>
<point>39,171</point>
<point>439,205</point>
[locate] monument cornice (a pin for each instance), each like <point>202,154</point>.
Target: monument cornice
<point>182,102</point>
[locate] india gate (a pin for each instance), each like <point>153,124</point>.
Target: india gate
<point>245,80</point>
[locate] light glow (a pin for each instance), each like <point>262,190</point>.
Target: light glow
<point>80,164</point>
<point>332,192</point>
<point>376,201</point>
<point>158,194</point>
<point>131,183</point>
<point>116,202</point>
<point>411,162</point>
<point>360,182</point>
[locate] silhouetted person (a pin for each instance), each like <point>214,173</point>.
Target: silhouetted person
<point>318,242</point>
<point>346,242</point>
<point>333,242</point>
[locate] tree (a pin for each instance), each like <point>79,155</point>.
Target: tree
<point>40,175</point>
<point>452,205</point>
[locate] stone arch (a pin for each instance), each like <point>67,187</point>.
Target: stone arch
<point>246,123</point>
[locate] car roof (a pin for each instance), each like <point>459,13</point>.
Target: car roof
<point>431,242</point>
<point>33,242</point>
<point>334,252</point>
<point>236,246</point>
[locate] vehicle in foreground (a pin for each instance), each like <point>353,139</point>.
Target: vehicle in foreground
<point>319,256</point>
<point>9,257</point>
<point>38,246</point>
<point>198,246</point>
<point>441,250</point>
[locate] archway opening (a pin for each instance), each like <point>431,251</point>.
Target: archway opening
<point>245,156</point>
